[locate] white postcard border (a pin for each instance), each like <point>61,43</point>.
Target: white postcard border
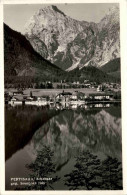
<point>123,41</point>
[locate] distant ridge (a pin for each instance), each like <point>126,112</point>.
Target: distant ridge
<point>112,68</point>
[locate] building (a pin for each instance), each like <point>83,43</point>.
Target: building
<point>74,96</point>
<point>101,97</point>
<point>64,96</point>
<point>18,93</point>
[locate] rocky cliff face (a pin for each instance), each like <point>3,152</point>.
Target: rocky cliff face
<point>108,44</point>
<point>69,43</point>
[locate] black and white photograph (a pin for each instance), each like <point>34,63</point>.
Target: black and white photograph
<point>62,97</point>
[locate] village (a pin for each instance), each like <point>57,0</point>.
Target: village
<point>91,94</point>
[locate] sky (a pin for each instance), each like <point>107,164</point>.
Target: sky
<point>16,16</point>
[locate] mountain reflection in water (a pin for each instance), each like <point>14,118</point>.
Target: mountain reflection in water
<point>72,132</point>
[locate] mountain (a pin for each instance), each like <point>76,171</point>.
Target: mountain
<point>69,43</point>
<point>112,68</point>
<point>20,59</point>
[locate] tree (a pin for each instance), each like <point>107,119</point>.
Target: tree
<point>92,173</point>
<point>31,95</point>
<point>42,167</point>
<point>37,86</point>
<point>86,174</point>
<point>111,174</point>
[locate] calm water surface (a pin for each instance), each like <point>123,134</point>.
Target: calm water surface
<point>66,136</point>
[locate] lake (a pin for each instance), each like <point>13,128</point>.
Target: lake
<point>78,148</point>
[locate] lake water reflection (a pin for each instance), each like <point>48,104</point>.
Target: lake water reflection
<point>72,143</point>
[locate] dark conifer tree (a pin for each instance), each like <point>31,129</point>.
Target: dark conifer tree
<point>111,174</point>
<point>86,174</point>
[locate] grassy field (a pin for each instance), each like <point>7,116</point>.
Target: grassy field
<point>54,92</point>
